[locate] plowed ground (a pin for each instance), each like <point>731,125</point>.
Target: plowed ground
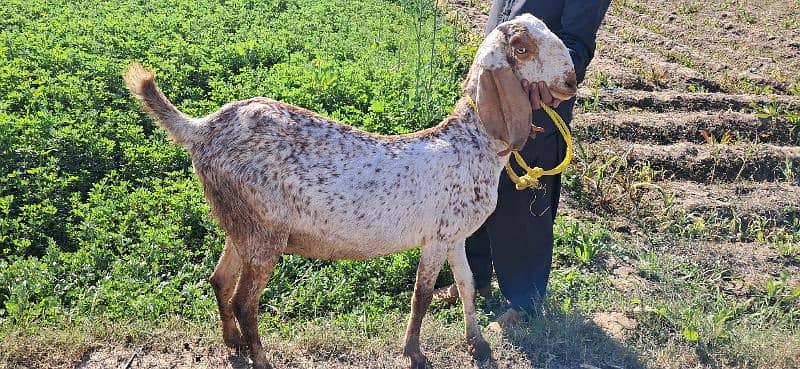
<point>690,111</point>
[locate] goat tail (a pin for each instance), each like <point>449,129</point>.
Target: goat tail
<point>142,84</point>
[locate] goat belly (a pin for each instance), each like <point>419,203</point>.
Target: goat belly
<point>336,248</point>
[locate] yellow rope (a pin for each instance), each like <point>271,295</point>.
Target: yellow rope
<point>531,177</point>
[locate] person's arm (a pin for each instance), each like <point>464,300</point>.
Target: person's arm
<point>579,23</point>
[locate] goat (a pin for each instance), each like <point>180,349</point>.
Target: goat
<point>281,179</point>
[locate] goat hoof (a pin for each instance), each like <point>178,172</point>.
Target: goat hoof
<point>262,366</point>
<point>419,361</point>
<point>235,342</point>
<point>480,350</point>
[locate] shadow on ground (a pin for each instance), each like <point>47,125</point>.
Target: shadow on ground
<point>555,339</point>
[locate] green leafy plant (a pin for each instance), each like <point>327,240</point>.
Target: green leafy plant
<point>689,8</point>
<point>580,242</point>
<point>100,214</point>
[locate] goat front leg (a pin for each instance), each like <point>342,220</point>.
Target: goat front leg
<point>224,281</point>
<point>457,257</point>
<point>256,271</point>
<point>430,263</point>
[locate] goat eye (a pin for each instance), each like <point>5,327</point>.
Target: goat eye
<point>521,50</point>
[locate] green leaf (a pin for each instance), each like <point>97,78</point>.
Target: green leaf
<point>690,334</point>
<point>795,292</point>
<point>377,106</point>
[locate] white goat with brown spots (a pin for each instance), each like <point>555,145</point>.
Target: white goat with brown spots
<point>281,179</point>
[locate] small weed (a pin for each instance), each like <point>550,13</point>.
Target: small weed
<point>744,85</point>
<point>628,36</point>
<point>610,184</point>
<point>677,57</point>
<point>690,334</point>
<point>715,149</point>
<point>592,103</point>
<point>790,23</point>
<point>687,9</point>
<point>788,171</point>
<point>709,138</point>
<point>602,80</point>
<point>747,16</point>
<point>795,89</point>
<point>482,6</point>
<point>658,76</point>
<point>634,5</point>
<point>580,242</point>
<point>789,250</point>
<point>771,110</point>
<point>777,292</point>
<point>699,89</point>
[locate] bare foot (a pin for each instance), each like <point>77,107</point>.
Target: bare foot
<point>506,321</point>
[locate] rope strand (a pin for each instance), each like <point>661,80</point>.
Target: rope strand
<point>532,175</point>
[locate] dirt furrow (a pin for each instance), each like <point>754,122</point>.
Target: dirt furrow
<point>648,69</point>
<point>769,202</point>
<point>606,71</point>
<point>724,42</point>
<point>760,32</point>
<point>668,58</point>
<point>662,101</point>
<point>704,163</point>
<point>673,127</point>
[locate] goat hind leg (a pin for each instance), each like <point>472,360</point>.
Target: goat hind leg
<point>224,281</point>
<point>255,274</point>
<point>430,263</point>
<point>457,258</point>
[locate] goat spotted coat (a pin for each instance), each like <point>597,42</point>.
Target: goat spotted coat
<point>281,179</point>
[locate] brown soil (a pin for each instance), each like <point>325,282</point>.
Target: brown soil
<point>674,101</point>
<point>744,266</point>
<point>709,163</point>
<point>774,201</point>
<point>710,44</point>
<point>614,324</point>
<point>187,356</point>
<point>684,126</point>
<point>669,81</point>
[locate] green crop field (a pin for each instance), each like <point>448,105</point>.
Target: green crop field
<point>102,216</point>
<point>106,242</point>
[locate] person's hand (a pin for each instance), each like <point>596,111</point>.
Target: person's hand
<point>539,94</point>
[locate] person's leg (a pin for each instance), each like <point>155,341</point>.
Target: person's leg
<point>479,256</point>
<point>521,230</point>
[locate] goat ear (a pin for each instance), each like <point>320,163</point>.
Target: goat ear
<point>503,107</point>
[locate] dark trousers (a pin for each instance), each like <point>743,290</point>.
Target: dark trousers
<point>518,237</point>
